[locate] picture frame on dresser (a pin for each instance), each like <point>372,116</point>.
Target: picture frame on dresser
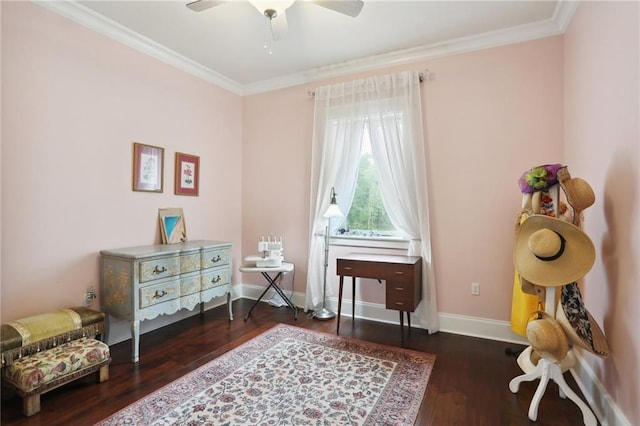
<point>187,174</point>
<point>148,168</point>
<point>173,227</point>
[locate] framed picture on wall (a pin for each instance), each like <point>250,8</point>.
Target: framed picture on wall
<point>187,179</point>
<point>148,167</point>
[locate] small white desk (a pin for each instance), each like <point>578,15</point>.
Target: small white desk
<point>279,271</point>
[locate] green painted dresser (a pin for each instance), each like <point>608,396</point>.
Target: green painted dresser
<point>140,283</point>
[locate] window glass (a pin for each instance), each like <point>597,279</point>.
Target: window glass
<point>367,217</point>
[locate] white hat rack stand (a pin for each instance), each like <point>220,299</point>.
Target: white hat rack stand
<point>547,370</point>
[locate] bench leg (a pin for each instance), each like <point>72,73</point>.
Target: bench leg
<point>31,404</point>
<point>103,373</point>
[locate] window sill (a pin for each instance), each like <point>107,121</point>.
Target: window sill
<point>390,243</point>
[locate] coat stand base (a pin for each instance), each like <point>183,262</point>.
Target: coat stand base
<point>544,371</point>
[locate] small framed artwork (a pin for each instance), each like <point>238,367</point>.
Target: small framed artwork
<point>187,174</point>
<point>173,228</point>
<point>148,167</point>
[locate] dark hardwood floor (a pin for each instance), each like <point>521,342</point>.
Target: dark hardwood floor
<point>468,385</point>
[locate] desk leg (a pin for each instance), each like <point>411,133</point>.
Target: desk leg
<point>402,328</point>
<point>339,303</point>
<point>353,300</point>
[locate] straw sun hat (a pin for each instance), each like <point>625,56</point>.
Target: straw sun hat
<point>579,193</point>
<point>552,252</point>
<point>547,338</point>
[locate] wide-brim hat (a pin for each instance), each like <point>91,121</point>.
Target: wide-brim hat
<point>579,193</point>
<point>581,328</point>
<point>547,338</point>
<point>552,252</point>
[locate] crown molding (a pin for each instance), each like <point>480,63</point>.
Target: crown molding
<point>80,14</point>
<point>556,25</point>
<point>109,28</point>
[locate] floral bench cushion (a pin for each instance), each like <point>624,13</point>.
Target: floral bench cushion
<point>31,372</point>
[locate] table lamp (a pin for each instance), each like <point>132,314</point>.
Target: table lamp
<point>333,211</point>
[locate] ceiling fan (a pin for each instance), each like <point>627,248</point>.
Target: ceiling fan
<point>274,10</point>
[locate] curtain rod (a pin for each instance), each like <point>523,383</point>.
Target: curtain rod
<point>421,78</point>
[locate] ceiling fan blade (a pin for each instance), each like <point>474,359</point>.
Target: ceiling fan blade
<point>200,5</point>
<point>279,26</point>
<point>347,7</point>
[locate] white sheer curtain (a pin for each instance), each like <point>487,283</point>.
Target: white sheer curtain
<point>338,127</point>
<point>397,147</point>
<point>391,108</point>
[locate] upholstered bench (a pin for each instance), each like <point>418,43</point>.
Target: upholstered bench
<point>43,352</point>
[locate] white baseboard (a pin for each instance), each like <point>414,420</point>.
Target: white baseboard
<point>600,401</point>
<point>605,409</point>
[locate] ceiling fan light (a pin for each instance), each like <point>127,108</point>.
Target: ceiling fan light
<point>278,5</point>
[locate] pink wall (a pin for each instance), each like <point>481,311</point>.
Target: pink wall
<point>73,103</point>
<point>602,145</point>
<point>489,116</point>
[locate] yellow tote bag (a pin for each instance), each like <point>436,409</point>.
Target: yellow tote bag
<point>522,304</point>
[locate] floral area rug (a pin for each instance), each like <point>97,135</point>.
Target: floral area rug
<point>292,376</point>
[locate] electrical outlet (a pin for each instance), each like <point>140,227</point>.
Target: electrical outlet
<point>89,296</point>
<point>475,289</point>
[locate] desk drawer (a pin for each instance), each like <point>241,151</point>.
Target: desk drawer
<point>402,296</point>
<point>397,272</point>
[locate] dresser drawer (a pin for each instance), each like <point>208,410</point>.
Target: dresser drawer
<point>189,262</point>
<point>190,284</point>
<point>216,277</point>
<point>159,293</point>
<point>159,268</point>
<point>216,257</point>
<point>402,296</point>
<point>382,271</point>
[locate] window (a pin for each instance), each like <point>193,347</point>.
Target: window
<point>367,217</point>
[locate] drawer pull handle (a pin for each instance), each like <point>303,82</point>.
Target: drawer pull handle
<point>216,259</point>
<point>348,268</point>
<point>399,288</point>
<point>399,273</point>
<point>399,303</point>
<point>157,270</point>
<point>216,279</point>
<point>159,294</point>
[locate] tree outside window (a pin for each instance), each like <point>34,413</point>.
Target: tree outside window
<point>367,216</point>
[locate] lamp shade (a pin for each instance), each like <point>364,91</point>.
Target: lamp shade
<point>333,210</point>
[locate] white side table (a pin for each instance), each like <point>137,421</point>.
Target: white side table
<point>279,271</point>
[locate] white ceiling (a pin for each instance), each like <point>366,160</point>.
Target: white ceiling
<point>226,44</point>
